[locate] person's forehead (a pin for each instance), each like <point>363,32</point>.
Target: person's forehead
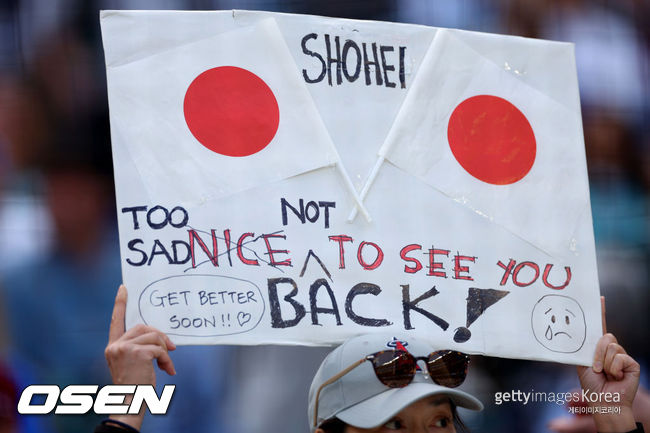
<point>431,404</point>
<point>438,400</point>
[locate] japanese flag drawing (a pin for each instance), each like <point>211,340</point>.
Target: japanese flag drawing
<point>216,117</point>
<point>493,144</point>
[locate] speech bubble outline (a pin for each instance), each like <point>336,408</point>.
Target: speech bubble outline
<point>236,317</point>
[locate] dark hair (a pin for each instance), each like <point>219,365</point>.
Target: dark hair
<point>460,425</point>
<point>335,425</point>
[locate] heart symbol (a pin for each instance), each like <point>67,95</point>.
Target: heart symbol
<point>243,318</point>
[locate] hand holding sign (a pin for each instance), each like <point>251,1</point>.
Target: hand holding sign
<point>614,372</point>
<point>129,354</point>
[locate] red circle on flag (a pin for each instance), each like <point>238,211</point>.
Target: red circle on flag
<point>231,111</point>
<point>491,139</point>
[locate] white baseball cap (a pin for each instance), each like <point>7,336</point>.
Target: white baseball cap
<point>358,398</point>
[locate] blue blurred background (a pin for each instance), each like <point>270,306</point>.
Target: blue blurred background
<point>59,253</point>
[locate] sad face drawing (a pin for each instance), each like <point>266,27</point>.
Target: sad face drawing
<point>558,323</point>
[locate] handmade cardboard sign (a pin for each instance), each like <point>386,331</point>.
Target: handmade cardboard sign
<point>293,179</point>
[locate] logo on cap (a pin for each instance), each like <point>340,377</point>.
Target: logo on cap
<point>398,344</point>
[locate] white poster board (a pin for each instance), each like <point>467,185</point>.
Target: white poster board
<point>244,141</point>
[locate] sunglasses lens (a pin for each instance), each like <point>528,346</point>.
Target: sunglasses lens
<point>394,368</point>
<point>448,368</point>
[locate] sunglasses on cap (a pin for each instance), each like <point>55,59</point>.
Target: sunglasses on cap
<point>396,369</point>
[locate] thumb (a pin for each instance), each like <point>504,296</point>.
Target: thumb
<point>582,373</point>
<point>117,319</point>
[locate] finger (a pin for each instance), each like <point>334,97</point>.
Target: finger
<point>581,371</point>
<point>151,337</point>
<point>623,364</point>
<point>603,316</point>
<point>138,330</point>
<point>613,349</point>
<point>166,364</point>
<point>161,356</point>
<point>116,329</point>
<point>170,344</point>
<point>601,349</point>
